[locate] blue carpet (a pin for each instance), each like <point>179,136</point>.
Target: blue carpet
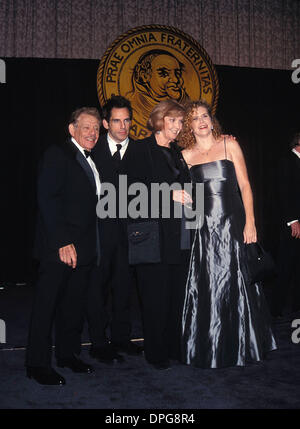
<point>271,384</point>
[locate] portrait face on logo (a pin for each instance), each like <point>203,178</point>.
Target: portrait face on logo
<point>158,74</point>
<point>150,64</point>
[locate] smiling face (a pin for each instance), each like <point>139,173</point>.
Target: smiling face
<point>172,127</point>
<point>119,124</point>
<point>166,77</point>
<point>85,131</point>
<point>201,123</point>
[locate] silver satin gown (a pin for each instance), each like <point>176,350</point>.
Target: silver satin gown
<point>226,321</point>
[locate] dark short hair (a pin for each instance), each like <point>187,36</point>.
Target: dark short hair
<point>118,102</point>
<point>161,110</point>
<point>84,110</point>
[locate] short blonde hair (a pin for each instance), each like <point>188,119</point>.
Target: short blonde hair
<point>161,110</point>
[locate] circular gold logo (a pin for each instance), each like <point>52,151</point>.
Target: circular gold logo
<point>152,63</point>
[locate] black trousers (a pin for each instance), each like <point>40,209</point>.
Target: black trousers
<point>162,288</point>
<point>59,296</point>
<point>115,276</point>
<point>286,294</point>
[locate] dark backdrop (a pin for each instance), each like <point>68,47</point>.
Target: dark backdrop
<point>260,107</point>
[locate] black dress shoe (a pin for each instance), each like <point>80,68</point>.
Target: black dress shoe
<point>128,347</point>
<point>75,364</point>
<point>45,375</point>
<point>106,354</point>
<point>161,366</point>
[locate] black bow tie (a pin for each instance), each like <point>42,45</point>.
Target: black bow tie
<point>87,153</point>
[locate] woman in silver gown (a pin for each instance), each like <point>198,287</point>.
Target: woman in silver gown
<point>225,320</point>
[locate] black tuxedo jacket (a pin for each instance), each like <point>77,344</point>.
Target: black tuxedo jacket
<point>102,156</point>
<point>66,197</point>
<point>113,230</point>
<point>289,188</point>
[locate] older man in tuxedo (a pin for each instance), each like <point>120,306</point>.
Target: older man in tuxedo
<point>67,246</point>
<point>286,297</point>
<point>114,156</point>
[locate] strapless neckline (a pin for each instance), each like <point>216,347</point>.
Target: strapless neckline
<point>210,162</point>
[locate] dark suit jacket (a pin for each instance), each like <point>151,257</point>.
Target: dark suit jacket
<point>152,165</point>
<point>289,188</point>
<point>66,196</point>
<point>113,229</point>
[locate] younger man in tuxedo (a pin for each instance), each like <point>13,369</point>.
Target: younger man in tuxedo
<point>67,246</point>
<point>113,155</point>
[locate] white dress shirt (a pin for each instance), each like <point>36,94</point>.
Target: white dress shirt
<point>92,165</point>
<point>113,145</point>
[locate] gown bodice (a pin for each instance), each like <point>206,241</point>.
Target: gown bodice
<point>216,175</point>
<point>221,191</point>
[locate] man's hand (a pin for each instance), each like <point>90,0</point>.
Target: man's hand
<point>295,227</point>
<point>228,137</point>
<point>68,255</point>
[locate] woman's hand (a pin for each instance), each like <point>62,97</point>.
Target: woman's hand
<point>182,197</point>
<point>250,233</point>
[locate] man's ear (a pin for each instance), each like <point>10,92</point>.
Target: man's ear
<point>71,129</point>
<point>105,124</point>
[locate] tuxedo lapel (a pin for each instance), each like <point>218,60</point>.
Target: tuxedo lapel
<point>128,152</point>
<point>296,161</point>
<point>87,169</point>
<point>80,159</point>
<point>103,158</point>
<point>128,158</point>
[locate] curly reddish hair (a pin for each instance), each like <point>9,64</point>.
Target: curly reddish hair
<point>186,137</point>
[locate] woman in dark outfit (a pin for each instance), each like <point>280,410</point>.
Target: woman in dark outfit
<point>161,285</point>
